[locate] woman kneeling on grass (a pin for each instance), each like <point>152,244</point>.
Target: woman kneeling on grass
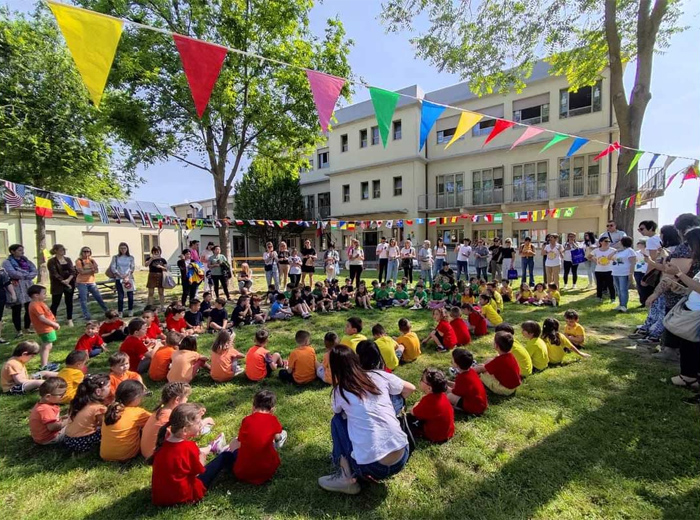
<point>367,438</point>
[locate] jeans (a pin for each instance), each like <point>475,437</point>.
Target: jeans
<point>220,279</point>
<point>83,290</point>
<point>342,447</point>
<point>56,301</point>
<point>622,286</point>
<point>17,316</point>
<point>604,280</point>
<point>427,275</point>
<point>528,263</point>
<point>120,296</point>
<point>383,268</point>
<point>273,275</point>
<point>463,265</point>
<point>222,461</point>
<point>439,262</point>
<point>573,268</point>
<point>481,273</point>
<point>392,272</point>
<point>590,272</point>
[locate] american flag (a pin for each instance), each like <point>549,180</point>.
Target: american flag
<point>14,194</point>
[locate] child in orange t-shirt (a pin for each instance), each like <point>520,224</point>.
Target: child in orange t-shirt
<point>123,422</point>
<point>259,362</point>
<point>186,361</point>
<point>323,372</point>
<point>44,323</point>
<point>86,412</point>
<point>118,373</point>
<point>224,357</point>
<point>302,361</point>
<point>161,359</point>
<point>46,424</point>
<point>14,378</point>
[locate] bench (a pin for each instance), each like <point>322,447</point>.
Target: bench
<point>236,261</point>
<point>107,284</point>
<point>174,271</point>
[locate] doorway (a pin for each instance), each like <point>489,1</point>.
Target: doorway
<point>369,244</point>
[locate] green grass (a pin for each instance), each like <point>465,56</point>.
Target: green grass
<point>606,437</point>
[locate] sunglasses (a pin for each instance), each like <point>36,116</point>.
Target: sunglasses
<point>610,225</point>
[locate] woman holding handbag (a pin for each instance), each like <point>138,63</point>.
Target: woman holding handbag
<point>123,267</point>
<point>22,272</point>
<point>571,264</point>
<point>157,268</point>
<point>218,264</point>
<point>270,260</point>
<point>508,255</point>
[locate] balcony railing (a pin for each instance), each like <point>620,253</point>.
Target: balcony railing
<point>324,211</point>
<point>317,213</point>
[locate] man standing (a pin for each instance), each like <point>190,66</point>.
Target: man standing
<point>383,255</point>
<point>425,261</point>
<point>464,251</point>
<point>614,234</point>
<point>647,228</point>
<point>495,265</point>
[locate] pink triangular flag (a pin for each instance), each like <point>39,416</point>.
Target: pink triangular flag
<point>500,126</point>
<point>202,62</point>
<point>529,133</point>
<point>326,91</point>
<point>612,148</point>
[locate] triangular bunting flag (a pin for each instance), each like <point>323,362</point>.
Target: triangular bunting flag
<point>556,139</point>
<point>408,222</point>
<point>500,126</point>
<point>92,39</point>
<point>87,212</point>
<point>326,91</point>
<point>569,212</point>
<point>692,172</point>
<point>428,115</point>
<point>466,122</point>
<point>432,221</point>
<point>635,160</point>
<point>384,102</point>
<point>529,133</point>
<point>613,147</point>
<point>653,160</point>
<point>67,204</point>
<point>44,207</point>
<point>576,146</point>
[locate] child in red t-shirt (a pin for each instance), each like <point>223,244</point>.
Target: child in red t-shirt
<point>460,327</point>
<point>175,320</point>
<point>112,329</point>
<point>153,330</point>
<point>501,375</point>
<point>135,347</point>
<point>442,335</point>
<point>467,392</point>
<point>433,417</point>
<point>91,342</point>
<point>477,323</point>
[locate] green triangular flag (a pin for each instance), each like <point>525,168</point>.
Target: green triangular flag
<point>89,217</point>
<point>569,212</point>
<point>556,139</point>
<point>634,162</point>
<point>384,102</point>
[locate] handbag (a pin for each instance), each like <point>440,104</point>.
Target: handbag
<point>109,273</point>
<point>512,274</point>
<point>168,281</point>
<point>651,278</point>
<point>578,256</point>
<point>682,322</point>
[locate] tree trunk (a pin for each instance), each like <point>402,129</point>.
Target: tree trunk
<point>40,246</point>
<point>627,186</point>
<point>221,214</point>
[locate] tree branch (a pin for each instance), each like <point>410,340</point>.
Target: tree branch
<point>189,162</point>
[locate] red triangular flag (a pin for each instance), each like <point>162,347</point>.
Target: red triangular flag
<point>612,148</point>
<point>202,63</point>
<point>326,91</point>
<point>691,172</point>
<point>501,124</point>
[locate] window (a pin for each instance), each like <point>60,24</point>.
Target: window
<point>375,135</point>
<point>398,186</point>
<point>4,245</point>
<point>344,143</point>
<point>364,190</point>
<point>397,130</point>
<point>532,110</point>
<point>376,189</point>
<point>302,169</point>
<point>363,138</point>
<point>444,136</point>
<point>324,204</point>
<point>530,181</point>
<point>323,160</point>
<point>579,176</point>
<point>309,207</point>
<point>97,242</point>
<point>346,193</point>
<point>486,234</point>
<point>449,191</point>
<point>239,246</point>
<point>452,236</point>
<point>488,186</point>
<point>148,242</point>
<point>537,236</point>
<point>584,101</point>
<point>483,127</point>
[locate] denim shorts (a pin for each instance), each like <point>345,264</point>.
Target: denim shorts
<point>379,471</point>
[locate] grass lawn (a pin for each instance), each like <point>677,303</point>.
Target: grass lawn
<point>606,437</point>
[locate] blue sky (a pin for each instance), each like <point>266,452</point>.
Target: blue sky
<point>671,123</point>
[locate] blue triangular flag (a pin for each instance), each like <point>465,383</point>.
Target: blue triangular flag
<point>428,115</point>
<point>653,160</point>
<point>576,145</point>
<point>420,221</point>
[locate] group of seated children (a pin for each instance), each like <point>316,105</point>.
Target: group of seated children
<point>538,296</point>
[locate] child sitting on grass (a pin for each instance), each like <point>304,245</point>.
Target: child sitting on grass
<point>123,422</point>
<point>161,359</point>
<point>73,373</point>
<point>218,318</point>
<point>259,316</point>
<point>420,298</point>
<point>324,303</point>
<point>401,297</point>
<point>477,323</point>
<point>362,297</point>
<point>14,378</point>
<point>342,301</point>
<point>524,295</point>
<point>495,296</point>
<point>468,297</point>
<point>302,364</point>
<point>557,344</point>
<point>323,372</point>
<point>501,374</point>
<point>45,422</point>
<point>553,297</point>
<point>86,412</point>
<point>113,328</point>
<point>390,350</point>
<point>506,291</point>
<point>298,304</point>
<point>280,310</point>
<point>194,317</point>
<point>488,311</point>
<point>467,392</point>
<point>437,298</point>
<point>91,342</point>
<point>224,357</point>
<point>206,306</point>
<point>172,395</point>
<point>574,331</point>
<point>460,327</point>
<point>353,328</point>
<point>409,342</point>
<point>260,362</point>
<point>175,320</point>
<point>44,324</point>
<point>535,346</point>
<point>521,354</point>
<point>433,416</point>
<point>443,335</point>
<point>538,295</point>
<point>186,361</point>
<point>135,347</point>
<point>153,331</point>
<point>118,373</point>
<point>242,314</point>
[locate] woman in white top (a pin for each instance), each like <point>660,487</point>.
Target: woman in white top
<point>425,261</point>
<point>623,272</point>
<point>569,265</point>
<point>204,257</point>
<point>393,253</point>
<point>330,260</point>
<point>464,251</point>
<point>439,255</point>
<point>123,268</point>
<point>367,437</point>
<point>590,242</point>
<point>553,254</point>
<point>356,259</point>
<point>408,253</point>
<point>270,260</point>
<point>603,257</point>
<point>294,268</point>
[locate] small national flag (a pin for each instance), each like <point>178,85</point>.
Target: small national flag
<point>14,194</point>
<point>498,218</point>
<point>351,226</point>
<point>389,224</point>
<point>432,221</point>
<point>408,222</point>
<point>129,215</point>
<point>102,210</point>
<point>420,221</point>
<point>87,212</point>
<point>67,204</point>
<point>44,208</point>
<point>115,210</point>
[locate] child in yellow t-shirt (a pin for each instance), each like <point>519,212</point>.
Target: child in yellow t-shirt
<point>574,331</point>
<point>409,341</point>
<point>390,350</point>
<point>521,354</point>
<point>535,346</point>
<point>468,297</point>
<point>73,373</point>
<point>557,344</point>
<point>553,297</point>
<point>489,312</point>
<point>506,291</point>
<point>123,422</point>
<point>495,295</point>
<point>524,294</point>
<point>538,295</point>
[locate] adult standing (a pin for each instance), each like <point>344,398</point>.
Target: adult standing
<point>439,255</point>
<point>205,256</point>
<point>408,253</point>
<point>481,253</point>
<point>308,258</point>
<point>331,258</point>
<point>496,261</point>
<point>614,234</point>
<point>189,285</point>
<point>464,251</point>
<point>194,251</point>
<point>603,257</point>
<point>383,256</point>
<point>425,262</point>
<point>283,263</point>
<point>570,246</point>
<point>356,259</point>
<point>61,280</point>
<point>640,269</point>
<point>22,272</point>
<point>508,255</point>
<point>527,261</point>
<point>86,269</point>
<point>157,267</point>
<point>270,260</point>
<point>220,272</point>
<point>393,254</point>
<point>623,272</point>
<point>590,242</point>
<point>647,228</point>
<point>123,267</point>
<point>368,441</point>
<point>554,253</point>
<point>294,268</point>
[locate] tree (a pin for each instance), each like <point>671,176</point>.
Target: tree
<point>270,190</point>
<point>51,137</point>
<point>257,107</point>
<point>496,44</point>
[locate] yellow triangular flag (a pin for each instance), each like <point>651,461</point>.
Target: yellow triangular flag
<point>92,39</point>
<point>466,121</point>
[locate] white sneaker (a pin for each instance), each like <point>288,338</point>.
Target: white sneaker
<point>339,483</point>
<point>618,308</point>
<point>622,308</point>
<point>278,444</point>
<point>218,445</point>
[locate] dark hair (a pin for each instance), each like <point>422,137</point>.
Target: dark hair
<point>26,347</point>
<point>181,417</point>
<point>550,331</point>
<point>189,343</point>
<point>51,384</point>
<point>435,379</point>
<point>355,323</point>
<point>119,253</point>
<point>173,338</point>
<point>87,392</point>
<point>649,224</point>
<point>127,392</point>
<point>185,251</point>
<point>531,327</point>
<point>505,327</point>
<point>205,294</point>
<point>280,297</point>
<point>463,358</point>
<point>670,236</point>
<point>692,237</point>
<point>221,342</point>
<point>150,308</point>
<point>172,391</point>
<point>571,315</point>
<point>552,286</point>
<point>331,337</point>
<point>485,297</point>
<point>175,308</point>
<point>261,336</point>
<point>117,359</point>
<point>627,241</point>
<point>155,249</point>
<point>264,400</point>
<point>348,375</point>
<point>14,247</point>
<point>56,248</point>
<point>302,337</point>
<point>221,301</point>
<point>193,302</point>
<point>404,324</point>
<point>590,238</point>
<point>76,356</point>
<point>135,325</point>
<point>686,221</point>
<point>378,330</point>
<point>35,289</point>
<point>504,341</point>
<point>111,313</point>
<point>92,324</point>
<point>370,356</point>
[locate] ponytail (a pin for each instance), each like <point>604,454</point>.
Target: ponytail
<point>160,439</point>
<point>114,413</point>
<point>182,416</point>
<point>172,391</point>
<point>127,392</point>
<point>87,393</point>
